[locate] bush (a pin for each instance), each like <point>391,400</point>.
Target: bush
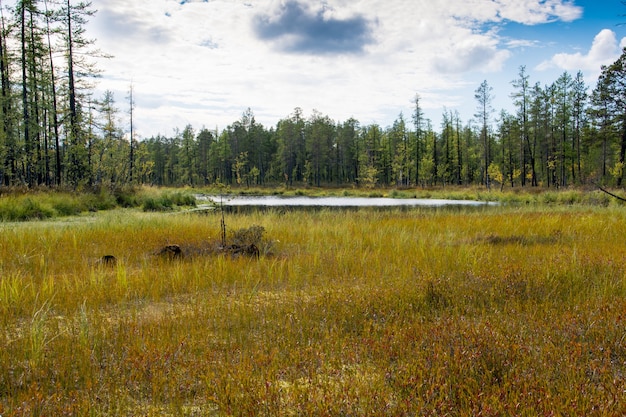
<point>248,236</point>
<point>181,198</point>
<point>102,200</point>
<point>126,197</point>
<point>67,205</point>
<point>22,209</point>
<point>167,201</point>
<point>161,203</point>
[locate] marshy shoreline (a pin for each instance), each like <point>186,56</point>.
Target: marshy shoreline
<point>515,309</point>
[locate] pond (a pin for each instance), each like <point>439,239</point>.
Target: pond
<point>335,202</point>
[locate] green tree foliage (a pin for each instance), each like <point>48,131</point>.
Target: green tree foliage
<point>38,105</point>
<point>609,100</point>
<point>417,147</point>
<point>54,132</point>
<point>484,97</point>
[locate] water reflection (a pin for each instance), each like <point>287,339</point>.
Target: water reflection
<point>336,202</point>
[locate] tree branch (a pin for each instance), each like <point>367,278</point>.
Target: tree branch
<point>609,193</point>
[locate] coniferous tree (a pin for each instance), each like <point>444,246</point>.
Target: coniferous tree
<point>538,130</point>
<point>418,123</point>
<point>369,156</point>
<point>484,97</point>
<point>131,136</point>
<point>564,109</point>
<point>53,110</point>
<point>109,161</point>
<point>30,52</point>
<point>320,141</point>
<point>579,96</point>
<point>204,141</point>
<point>8,143</point>
<point>398,151</point>
<point>347,152</point>
<point>528,146</point>
<point>603,132</point>
<point>78,69</point>
<point>291,147</point>
<point>610,95</point>
<point>187,156</point>
<point>458,145</point>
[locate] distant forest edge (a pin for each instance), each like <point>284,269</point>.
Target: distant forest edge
<point>53,132</point>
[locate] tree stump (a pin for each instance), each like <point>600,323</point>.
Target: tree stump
<point>107,260</point>
<point>171,252</point>
<point>247,250</point>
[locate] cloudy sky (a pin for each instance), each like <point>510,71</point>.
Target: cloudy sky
<point>204,62</point>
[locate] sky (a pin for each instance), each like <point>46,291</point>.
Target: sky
<point>205,62</point>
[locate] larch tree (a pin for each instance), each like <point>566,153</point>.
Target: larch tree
<point>484,97</point>
<point>78,51</point>
<point>29,45</point>
<point>579,95</point>
<point>418,123</point>
<point>109,163</point>
<point>612,94</point>
<point>600,115</point>
<point>320,138</point>
<point>528,148</point>
<point>187,155</point>
<point>205,139</point>
<point>563,109</point>
<point>398,151</point>
<point>131,136</point>
<point>347,151</point>
<point>53,114</point>
<point>8,167</point>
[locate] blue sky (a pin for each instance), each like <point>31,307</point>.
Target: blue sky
<point>204,62</point>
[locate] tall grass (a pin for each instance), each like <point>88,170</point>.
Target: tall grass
<point>505,311</point>
<point>518,196</point>
<point>53,204</point>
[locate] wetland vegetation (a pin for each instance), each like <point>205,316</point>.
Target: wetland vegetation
<point>515,309</point>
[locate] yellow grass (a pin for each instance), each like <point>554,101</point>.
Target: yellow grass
<point>497,311</point>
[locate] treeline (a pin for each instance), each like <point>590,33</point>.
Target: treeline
<point>53,132</point>
<point>46,135</point>
<point>559,135</point>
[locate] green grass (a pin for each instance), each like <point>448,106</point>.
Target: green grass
<point>56,204</point>
<point>504,311</point>
<point>526,196</point>
<point>19,205</point>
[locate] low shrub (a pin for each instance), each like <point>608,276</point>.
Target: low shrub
<point>23,209</point>
<point>252,235</point>
<point>127,197</point>
<point>65,205</point>
<point>182,199</point>
<point>103,200</point>
<point>162,203</point>
<point>168,200</point>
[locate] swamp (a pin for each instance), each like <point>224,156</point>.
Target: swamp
<point>508,309</point>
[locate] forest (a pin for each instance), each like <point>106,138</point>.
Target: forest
<point>55,133</point>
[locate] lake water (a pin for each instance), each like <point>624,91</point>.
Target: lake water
<point>336,202</point>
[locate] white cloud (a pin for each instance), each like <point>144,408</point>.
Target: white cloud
<point>532,12</point>
<point>604,50</point>
<point>204,63</point>
<point>529,12</point>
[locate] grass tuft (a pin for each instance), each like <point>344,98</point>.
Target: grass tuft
<point>511,310</point>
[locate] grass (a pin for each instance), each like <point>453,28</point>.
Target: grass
<point>48,205</point>
<point>20,205</point>
<point>502,311</point>
<point>526,196</point>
